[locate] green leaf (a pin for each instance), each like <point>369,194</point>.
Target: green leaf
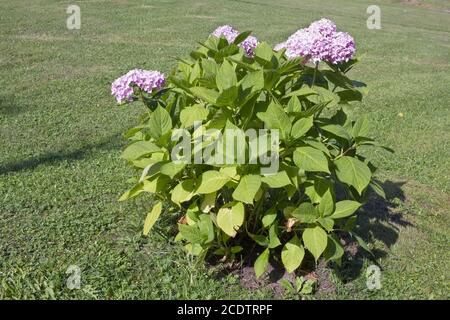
<point>192,114</point>
<point>301,127</point>
<point>292,254</point>
<point>192,233</point>
<point>321,192</point>
<point>302,92</point>
<point>337,130</point>
<point>226,76</point>
<point>247,188</point>
<point>353,172</point>
<point>334,250</point>
<point>345,208</point>
<point>206,227</point>
<point>152,216</point>
<point>326,223</point>
<point>294,105</point>
<point>277,180</point>
<point>133,192</point>
<point>276,118</point>
<point>264,52</point>
<point>315,240</point>
<point>310,159</point>
<point>361,127</point>
<point>211,181</point>
<point>378,189</point>
<point>160,123</point>
<point>184,191</point>
<point>362,243</point>
<point>241,37</point>
<point>274,241</point>
<point>227,96</point>
<point>208,202</point>
<point>230,217</point>
<point>252,82</point>
<point>171,169</point>
<point>269,217</point>
<point>139,149</point>
<point>261,263</point>
<point>305,213</point>
<point>207,95</point>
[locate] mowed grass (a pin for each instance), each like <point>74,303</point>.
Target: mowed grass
<point>60,172</point>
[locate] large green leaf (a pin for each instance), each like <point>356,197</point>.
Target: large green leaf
<point>264,52</point>
<point>160,122</point>
<point>139,149</point>
<point>310,159</point>
<point>334,250</point>
<point>320,191</point>
<point>211,181</point>
<point>353,172</point>
<point>192,114</point>
<point>337,130</point>
<point>274,241</point>
<point>315,240</point>
<point>207,95</point>
<point>302,92</point>
<point>292,254</point>
<point>261,263</point>
<point>361,127</point>
<point>230,217</point>
<point>269,217</point>
<point>152,216</point>
<point>301,127</point>
<point>208,202</point>
<point>252,81</point>
<point>247,188</point>
<point>345,208</point>
<point>192,233</point>
<point>278,180</point>
<point>305,213</point>
<point>226,76</point>
<point>184,191</point>
<point>171,169</point>
<point>276,118</point>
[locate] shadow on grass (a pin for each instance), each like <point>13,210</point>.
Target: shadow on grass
<point>378,221</point>
<point>110,143</point>
<point>8,107</point>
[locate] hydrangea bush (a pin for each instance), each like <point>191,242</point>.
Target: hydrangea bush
<point>301,90</point>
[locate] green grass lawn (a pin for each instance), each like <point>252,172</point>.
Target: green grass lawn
<point>60,172</point>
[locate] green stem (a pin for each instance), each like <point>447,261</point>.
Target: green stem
<point>315,74</point>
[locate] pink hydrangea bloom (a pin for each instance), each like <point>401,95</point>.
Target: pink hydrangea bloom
<point>227,31</point>
<point>146,80</point>
<point>323,26</point>
<point>342,48</point>
<point>321,42</point>
<point>249,44</point>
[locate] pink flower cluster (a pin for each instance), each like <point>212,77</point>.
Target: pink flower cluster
<point>319,42</point>
<point>249,44</point>
<point>122,89</point>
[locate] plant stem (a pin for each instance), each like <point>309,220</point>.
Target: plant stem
<point>315,74</point>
